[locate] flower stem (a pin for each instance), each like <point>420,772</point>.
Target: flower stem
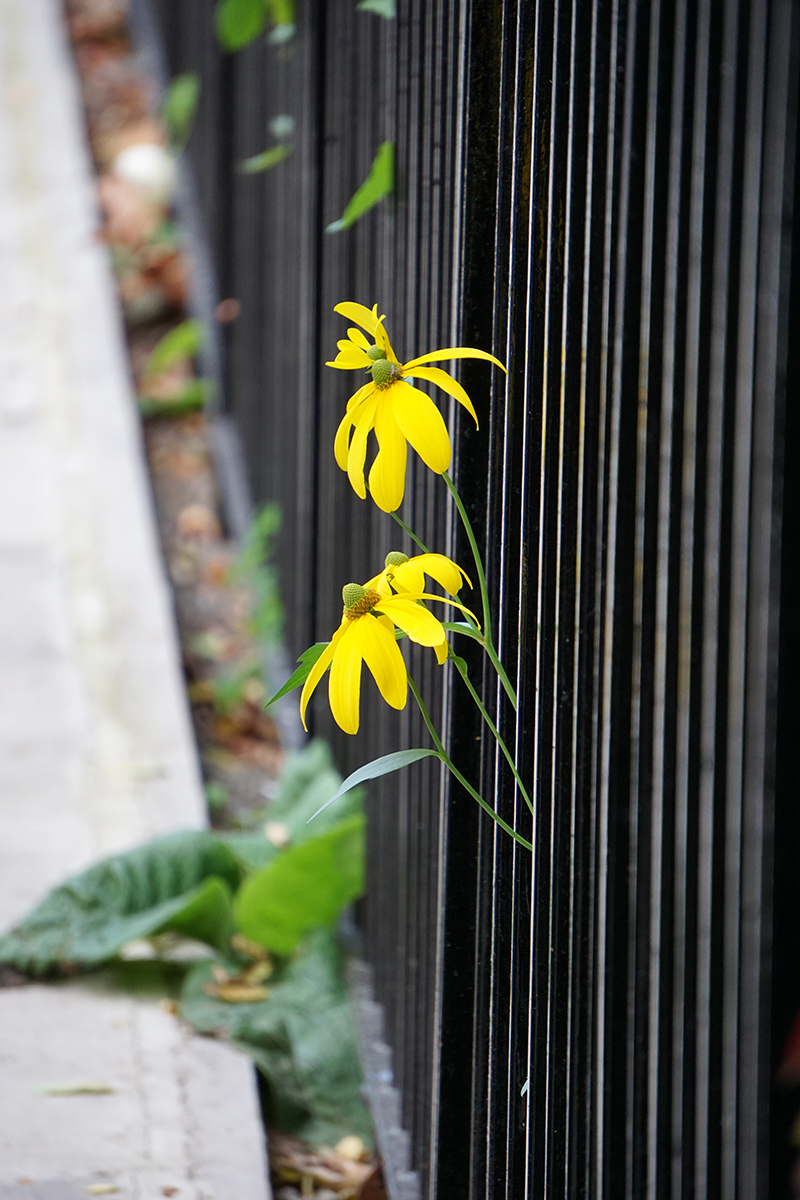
<point>461,667</point>
<point>448,762</point>
<point>487,618</point>
<point>410,533</point>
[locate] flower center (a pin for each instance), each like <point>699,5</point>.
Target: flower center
<point>358,601</point>
<point>375,353</point>
<point>384,373</point>
<point>395,558</point>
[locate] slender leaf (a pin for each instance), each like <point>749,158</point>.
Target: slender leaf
<point>182,342</point>
<point>381,8</point>
<point>265,160</point>
<point>194,396</point>
<point>239,22</point>
<point>179,108</point>
<point>376,768</point>
<point>379,183</point>
<point>298,677</point>
<point>304,888</point>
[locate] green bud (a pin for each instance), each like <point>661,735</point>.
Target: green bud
<point>395,558</point>
<point>352,593</point>
<point>375,353</point>
<point>384,372</point>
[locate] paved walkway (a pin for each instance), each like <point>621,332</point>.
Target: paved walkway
<point>96,752</point>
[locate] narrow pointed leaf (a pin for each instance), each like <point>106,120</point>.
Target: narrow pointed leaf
<point>265,160</point>
<point>376,768</point>
<point>379,183</point>
<point>298,677</point>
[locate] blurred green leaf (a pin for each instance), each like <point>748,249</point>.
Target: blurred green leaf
<point>379,183</point>
<point>302,1039</point>
<point>239,22</point>
<point>182,882</point>
<point>265,160</point>
<point>381,8</point>
<point>304,888</point>
<point>182,342</point>
<point>179,108</point>
<point>195,395</point>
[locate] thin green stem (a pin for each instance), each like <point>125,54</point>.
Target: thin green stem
<point>454,771</point>
<point>487,618</point>
<point>410,533</point>
<point>461,667</point>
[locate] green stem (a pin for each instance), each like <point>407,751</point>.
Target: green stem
<point>448,762</point>
<point>487,618</point>
<point>410,533</point>
<point>461,667</point>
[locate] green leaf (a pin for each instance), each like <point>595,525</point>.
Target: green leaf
<point>282,14</point>
<point>265,160</point>
<point>304,888</point>
<point>465,628</point>
<point>194,396</point>
<point>308,779</point>
<point>298,677</point>
<point>182,882</point>
<point>179,108</point>
<point>302,1038</point>
<point>382,8</point>
<point>376,768</point>
<point>182,342</point>
<point>379,183</point>
<point>239,22</point>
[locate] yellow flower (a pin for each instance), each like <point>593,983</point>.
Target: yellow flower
<point>397,411</point>
<point>403,574</point>
<point>366,634</point>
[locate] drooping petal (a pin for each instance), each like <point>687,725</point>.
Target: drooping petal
<point>342,440</point>
<point>441,652</point>
<point>449,385</point>
<point>357,336</point>
<point>419,623</point>
<point>421,423</point>
<point>318,670</point>
<point>453,352</point>
<point>407,577</point>
<point>382,340</point>
<point>363,420</point>
<point>387,479</point>
<point>358,313</point>
<point>346,364</point>
<point>382,655</point>
<point>344,685</point>
<point>442,569</point>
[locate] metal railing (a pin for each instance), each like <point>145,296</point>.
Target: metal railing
<point>599,192</point>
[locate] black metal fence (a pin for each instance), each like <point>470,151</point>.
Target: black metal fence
<point>601,193</point>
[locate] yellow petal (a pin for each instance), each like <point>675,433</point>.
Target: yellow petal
<point>363,420</point>
<point>421,422</point>
<point>442,569</point>
<point>344,685</point>
<point>342,440</point>
<point>382,340</point>
<point>449,385</point>
<point>346,365</point>
<point>408,577</point>
<point>387,479</point>
<point>441,652</point>
<point>317,671</point>
<point>420,624</point>
<point>357,336</point>
<point>382,655</point>
<point>453,352</point>
<point>358,313</point>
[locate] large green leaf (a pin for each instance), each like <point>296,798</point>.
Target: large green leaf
<point>301,1037</point>
<point>239,22</point>
<point>307,781</point>
<point>379,183</point>
<point>182,882</point>
<point>304,888</point>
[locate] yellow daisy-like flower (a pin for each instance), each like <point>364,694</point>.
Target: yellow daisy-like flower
<point>366,634</point>
<point>403,575</point>
<point>398,412</point>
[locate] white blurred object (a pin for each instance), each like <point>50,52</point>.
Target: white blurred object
<point>150,167</point>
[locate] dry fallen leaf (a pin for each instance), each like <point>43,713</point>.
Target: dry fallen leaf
<point>169,1191</point>
<point>235,993</point>
<point>79,1087</point>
